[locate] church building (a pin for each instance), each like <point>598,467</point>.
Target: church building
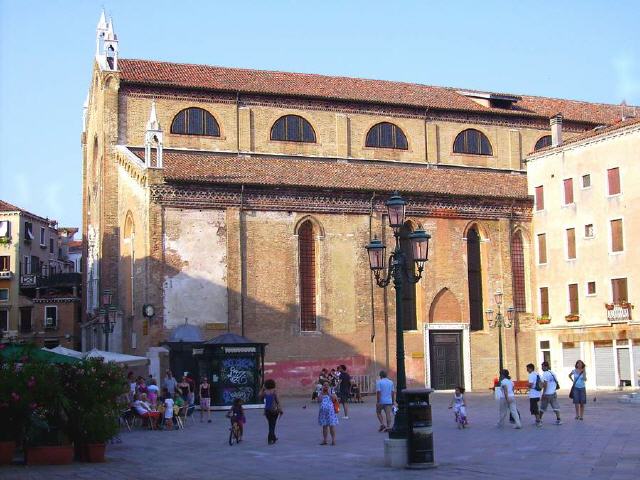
<point>238,200</point>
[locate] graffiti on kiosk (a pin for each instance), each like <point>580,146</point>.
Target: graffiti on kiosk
<point>243,393</point>
<point>238,371</point>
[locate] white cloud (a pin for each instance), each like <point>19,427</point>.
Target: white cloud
<point>627,77</point>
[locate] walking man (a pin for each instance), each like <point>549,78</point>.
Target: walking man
<point>508,402</point>
<point>170,383</point>
<point>385,400</point>
<point>549,395</point>
<point>535,392</point>
<point>344,389</point>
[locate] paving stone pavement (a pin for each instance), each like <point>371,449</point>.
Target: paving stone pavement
<point>606,445</point>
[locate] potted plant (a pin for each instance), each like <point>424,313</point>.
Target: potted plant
<point>572,317</point>
<point>544,319</point>
<point>94,389</point>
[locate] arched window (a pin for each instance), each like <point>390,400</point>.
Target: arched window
<point>386,135</point>
<point>195,121</point>
<point>293,128</point>
<point>472,142</point>
<point>409,318</point>
<point>517,272</point>
<point>542,142</point>
<point>307,271</point>
<point>474,270</point>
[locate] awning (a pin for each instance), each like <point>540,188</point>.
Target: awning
<point>121,358</point>
<point>599,334</point>
<point>60,350</point>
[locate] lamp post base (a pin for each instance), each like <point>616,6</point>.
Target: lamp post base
<point>395,452</point>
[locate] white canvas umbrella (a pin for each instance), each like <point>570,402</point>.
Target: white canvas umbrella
<point>115,357</point>
<point>65,351</point>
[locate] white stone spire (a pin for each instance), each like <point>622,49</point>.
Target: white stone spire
<point>106,44</point>
<point>153,138</point>
<point>101,31</point>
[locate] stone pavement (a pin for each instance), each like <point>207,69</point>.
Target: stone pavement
<point>606,445</point>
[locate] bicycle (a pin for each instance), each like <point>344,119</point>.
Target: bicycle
<point>235,431</point>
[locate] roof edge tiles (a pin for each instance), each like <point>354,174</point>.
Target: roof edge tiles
<point>360,90</point>
<point>184,166</point>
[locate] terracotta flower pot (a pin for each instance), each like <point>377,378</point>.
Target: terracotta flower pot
<point>95,452</point>
<point>50,455</point>
<point>6,452</point>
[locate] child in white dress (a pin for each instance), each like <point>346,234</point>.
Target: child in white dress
<point>459,407</point>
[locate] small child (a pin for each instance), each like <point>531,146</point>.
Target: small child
<point>168,410</point>
<point>459,407</point>
<point>236,414</point>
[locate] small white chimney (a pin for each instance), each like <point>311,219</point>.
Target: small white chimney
<point>556,130</point>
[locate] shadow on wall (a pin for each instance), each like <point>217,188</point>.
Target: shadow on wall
<point>293,358</point>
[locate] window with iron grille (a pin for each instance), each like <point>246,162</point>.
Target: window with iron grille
<point>586,180</point>
<point>195,121</point>
<point>307,269</point>
<point>474,271</point>
<point>517,273</point>
<point>386,135</point>
<point>472,142</point>
<point>293,128</point>
<point>543,142</point>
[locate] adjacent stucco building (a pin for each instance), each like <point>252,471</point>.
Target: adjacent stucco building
<point>586,219</point>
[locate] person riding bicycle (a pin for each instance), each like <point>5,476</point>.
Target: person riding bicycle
<point>236,414</point>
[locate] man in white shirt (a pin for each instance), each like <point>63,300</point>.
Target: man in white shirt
<point>535,393</point>
<point>508,402</point>
<point>385,399</point>
<point>549,395</point>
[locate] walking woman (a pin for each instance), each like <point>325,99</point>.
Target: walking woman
<point>272,408</point>
<point>185,390</point>
<point>205,399</point>
<point>579,391</point>
<point>327,417</point>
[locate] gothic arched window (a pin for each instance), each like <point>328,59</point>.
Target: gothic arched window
<point>517,272</point>
<point>472,142</point>
<point>195,121</point>
<point>307,272</point>
<point>542,142</point>
<point>474,270</point>
<point>409,317</point>
<point>386,135</point>
<point>293,128</point>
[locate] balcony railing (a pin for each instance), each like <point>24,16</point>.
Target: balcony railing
<point>6,275</point>
<point>33,280</point>
<point>619,312</point>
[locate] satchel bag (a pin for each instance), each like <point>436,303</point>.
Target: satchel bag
<point>336,405</point>
<point>555,380</point>
<point>573,387</point>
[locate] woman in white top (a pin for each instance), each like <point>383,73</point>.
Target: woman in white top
<point>508,402</point>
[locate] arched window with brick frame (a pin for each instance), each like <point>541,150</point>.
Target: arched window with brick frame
<point>307,267</point>
<point>518,272</point>
<point>474,270</point>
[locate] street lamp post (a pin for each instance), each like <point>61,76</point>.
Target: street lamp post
<point>399,272</point>
<point>106,312</point>
<point>501,322</point>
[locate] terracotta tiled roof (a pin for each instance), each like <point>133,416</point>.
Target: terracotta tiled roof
<point>349,89</point>
<point>7,207</point>
<point>75,244</point>
<point>358,175</point>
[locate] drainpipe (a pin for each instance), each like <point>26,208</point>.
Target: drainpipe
<point>243,264</point>
<point>373,310</point>
<point>385,299</point>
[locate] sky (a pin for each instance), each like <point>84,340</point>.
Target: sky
<point>586,50</point>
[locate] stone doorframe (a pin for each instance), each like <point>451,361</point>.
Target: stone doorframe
<point>466,350</point>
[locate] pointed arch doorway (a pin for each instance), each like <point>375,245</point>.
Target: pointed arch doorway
<point>447,344</point>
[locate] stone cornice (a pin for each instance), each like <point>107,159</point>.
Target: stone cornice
<point>287,199</point>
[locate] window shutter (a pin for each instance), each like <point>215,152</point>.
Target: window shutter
<point>573,299</point>
<point>542,248</point>
<point>571,243</point>
<point>568,191</point>
<point>544,301</point>
<point>619,290</point>
<point>613,176</point>
<point>617,244</point>
<point>4,228</point>
<point>540,198</point>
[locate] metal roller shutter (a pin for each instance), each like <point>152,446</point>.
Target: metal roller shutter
<point>636,363</point>
<point>570,355</point>
<point>605,375</point>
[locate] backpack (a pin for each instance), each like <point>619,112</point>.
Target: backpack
<point>538,385</point>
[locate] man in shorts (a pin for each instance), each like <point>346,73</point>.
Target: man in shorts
<point>535,392</point>
<point>344,389</point>
<point>549,395</point>
<point>385,399</point>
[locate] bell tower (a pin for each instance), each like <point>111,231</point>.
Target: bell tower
<point>106,44</point>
